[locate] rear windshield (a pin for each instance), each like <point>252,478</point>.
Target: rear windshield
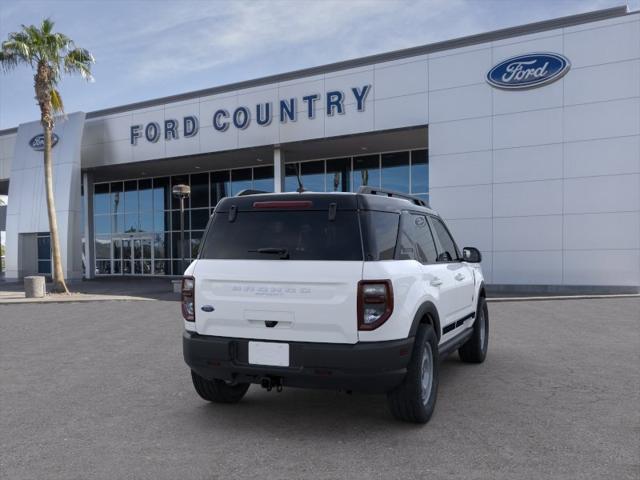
<point>276,235</point>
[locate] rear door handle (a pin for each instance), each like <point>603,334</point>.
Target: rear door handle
<point>459,277</point>
<point>436,282</point>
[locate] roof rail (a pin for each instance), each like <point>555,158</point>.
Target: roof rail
<point>390,193</point>
<point>249,191</point>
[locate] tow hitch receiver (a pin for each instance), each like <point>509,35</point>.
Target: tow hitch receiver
<point>269,383</point>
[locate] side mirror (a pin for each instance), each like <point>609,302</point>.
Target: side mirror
<point>471,255</point>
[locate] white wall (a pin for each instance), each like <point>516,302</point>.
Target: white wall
<point>27,208</point>
<point>546,182</point>
<point>7,145</point>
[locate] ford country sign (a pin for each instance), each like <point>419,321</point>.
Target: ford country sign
<point>285,110</point>
<point>37,142</point>
<point>528,71</point>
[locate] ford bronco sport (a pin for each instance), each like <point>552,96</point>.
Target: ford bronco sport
<point>358,291</point>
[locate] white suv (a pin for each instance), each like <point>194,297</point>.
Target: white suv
<point>358,291</point>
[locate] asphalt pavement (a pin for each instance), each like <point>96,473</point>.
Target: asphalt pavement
<point>100,391</point>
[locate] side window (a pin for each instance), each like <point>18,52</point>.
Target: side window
<point>381,234</point>
<point>416,241</point>
<point>449,251</point>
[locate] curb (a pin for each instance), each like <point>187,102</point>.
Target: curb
<point>106,298</point>
<point>561,297</point>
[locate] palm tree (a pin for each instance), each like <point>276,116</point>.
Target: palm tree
<point>50,55</point>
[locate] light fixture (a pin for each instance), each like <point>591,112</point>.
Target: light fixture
<point>258,159</point>
<point>197,167</point>
<point>364,149</point>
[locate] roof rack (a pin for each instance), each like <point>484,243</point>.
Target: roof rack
<point>390,193</point>
<point>249,191</point>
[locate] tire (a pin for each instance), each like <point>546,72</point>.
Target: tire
<point>415,398</point>
<point>475,349</point>
<point>218,391</point>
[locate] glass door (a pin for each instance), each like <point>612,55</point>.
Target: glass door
<point>133,256</point>
<point>142,256</point>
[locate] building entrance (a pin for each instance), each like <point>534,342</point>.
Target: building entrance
<point>133,256</point>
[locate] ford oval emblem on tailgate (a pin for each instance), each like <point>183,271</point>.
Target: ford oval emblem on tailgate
<point>207,308</point>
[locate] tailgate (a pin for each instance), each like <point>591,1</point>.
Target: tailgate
<point>307,301</point>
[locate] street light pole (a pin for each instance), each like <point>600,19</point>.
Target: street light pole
<point>182,192</point>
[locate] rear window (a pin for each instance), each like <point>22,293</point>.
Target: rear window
<point>275,235</point>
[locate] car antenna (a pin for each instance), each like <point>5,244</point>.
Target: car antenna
<point>300,186</point>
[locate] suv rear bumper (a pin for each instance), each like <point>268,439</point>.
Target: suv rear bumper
<point>365,367</point>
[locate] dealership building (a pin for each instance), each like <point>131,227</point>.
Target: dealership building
<point>526,140</point>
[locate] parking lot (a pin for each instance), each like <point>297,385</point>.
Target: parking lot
<point>99,390</point>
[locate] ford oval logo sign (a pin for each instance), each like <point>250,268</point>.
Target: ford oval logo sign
<point>37,142</point>
<point>528,71</point>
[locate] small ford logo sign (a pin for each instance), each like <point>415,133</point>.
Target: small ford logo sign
<point>37,142</point>
<point>528,71</point>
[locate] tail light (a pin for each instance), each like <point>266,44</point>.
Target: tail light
<point>375,303</point>
<point>188,299</point>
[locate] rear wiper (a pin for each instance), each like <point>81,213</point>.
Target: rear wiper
<point>283,252</point>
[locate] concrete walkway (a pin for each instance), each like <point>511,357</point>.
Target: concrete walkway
<point>104,289</point>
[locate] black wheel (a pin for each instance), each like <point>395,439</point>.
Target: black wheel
<point>475,349</point>
<point>218,391</point>
<point>415,399</point>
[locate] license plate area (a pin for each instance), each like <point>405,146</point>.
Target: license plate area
<point>269,353</point>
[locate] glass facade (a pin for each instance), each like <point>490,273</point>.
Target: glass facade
<point>404,171</point>
<point>137,222</point>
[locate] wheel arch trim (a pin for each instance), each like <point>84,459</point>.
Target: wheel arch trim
<point>427,309</point>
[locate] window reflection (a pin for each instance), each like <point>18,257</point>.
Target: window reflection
<point>199,218</point>
<point>117,199</point>
<point>219,186</point>
<point>145,222</point>
<point>200,190</point>
<point>196,238</point>
<point>240,180</point>
<point>131,224</point>
<point>366,171</point>
<point>291,171</point>
<point>131,196</point>
<point>160,221</point>
<point>419,171</point>
<point>101,198</point>
<point>103,247</point>
<point>263,179</point>
<point>313,176</point>
<point>175,220</point>
<point>161,194</point>
<point>101,224</point>
<point>145,195</point>
<point>338,175</point>
<point>395,171</point>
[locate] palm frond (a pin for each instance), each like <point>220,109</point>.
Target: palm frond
<point>79,60</point>
<point>8,60</point>
<point>47,26</point>
<point>19,45</point>
<point>56,101</point>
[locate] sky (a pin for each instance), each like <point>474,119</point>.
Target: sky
<point>146,49</point>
